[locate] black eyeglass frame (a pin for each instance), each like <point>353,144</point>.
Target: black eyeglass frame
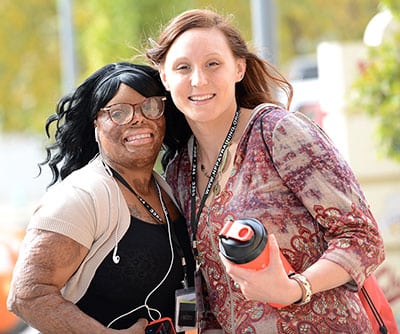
<point>160,99</point>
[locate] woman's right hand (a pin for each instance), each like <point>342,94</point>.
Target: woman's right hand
<point>255,285</point>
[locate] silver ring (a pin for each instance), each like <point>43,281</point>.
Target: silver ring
<point>236,285</point>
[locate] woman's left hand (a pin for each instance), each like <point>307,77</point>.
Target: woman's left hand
<point>268,285</point>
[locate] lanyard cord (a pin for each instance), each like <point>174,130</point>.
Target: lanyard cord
<point>148,207</point>
<point>195,216</point>
<point>154,213</point>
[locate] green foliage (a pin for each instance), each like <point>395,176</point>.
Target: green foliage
<point>109,31</point>
<point>394,6</point>
<point>28,63</point>
<point>378,89</point>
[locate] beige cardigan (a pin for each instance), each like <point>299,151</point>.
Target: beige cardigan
<point>88,207</point>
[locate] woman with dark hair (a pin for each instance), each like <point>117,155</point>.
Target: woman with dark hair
<point>241,154</point>
<point>106,248</point>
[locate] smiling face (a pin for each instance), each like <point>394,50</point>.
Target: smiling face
<point>200,71</point>
<point>134,144</point>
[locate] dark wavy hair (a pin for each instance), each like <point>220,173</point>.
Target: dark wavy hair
<point>260,83</point>
<point>74,143</point>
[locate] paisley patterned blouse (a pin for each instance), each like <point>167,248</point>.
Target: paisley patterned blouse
<point>287,173</point>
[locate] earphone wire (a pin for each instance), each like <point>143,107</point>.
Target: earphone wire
<point>150,309</point>
<point>115,256</point>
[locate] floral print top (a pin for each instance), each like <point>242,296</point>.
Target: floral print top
<point>287,174</point>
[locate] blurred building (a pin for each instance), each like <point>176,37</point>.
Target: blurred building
<point>354,133</point>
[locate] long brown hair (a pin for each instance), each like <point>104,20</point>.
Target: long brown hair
<point>262,81</point>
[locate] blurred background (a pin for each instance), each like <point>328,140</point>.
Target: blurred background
<point>342,57</point>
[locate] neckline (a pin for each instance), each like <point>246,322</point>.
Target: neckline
<point>147,206</point>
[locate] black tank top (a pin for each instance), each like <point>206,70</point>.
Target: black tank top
<point>145,257</point>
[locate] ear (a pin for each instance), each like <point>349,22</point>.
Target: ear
<point>163,78</point>
<point>241,69</point>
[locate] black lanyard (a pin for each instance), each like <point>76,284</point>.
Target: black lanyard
<point>148,207</point>
<point>195,217</point>
<point>154,213</point>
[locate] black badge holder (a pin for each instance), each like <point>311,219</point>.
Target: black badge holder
<point>185,314</point>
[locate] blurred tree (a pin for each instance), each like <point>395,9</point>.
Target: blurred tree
<point>377,91</point>
<point>28,63</point>
<point>108,31</point>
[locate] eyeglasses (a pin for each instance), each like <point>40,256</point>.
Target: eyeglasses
<point>122,113</point>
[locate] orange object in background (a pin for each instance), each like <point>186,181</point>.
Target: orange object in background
<point>10,241</point>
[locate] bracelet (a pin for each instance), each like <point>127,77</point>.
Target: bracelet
<point>305,288</point>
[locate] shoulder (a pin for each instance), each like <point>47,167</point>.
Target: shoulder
<point>82,205</point>
<point>269,115</point>
<point>276,122</point>
<point>88,189</point>
<point>91,176</point>
<point>92,181</point>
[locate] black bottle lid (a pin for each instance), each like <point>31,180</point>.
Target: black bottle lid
<point>243,240</point>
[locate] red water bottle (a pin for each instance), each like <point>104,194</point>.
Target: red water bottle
<point>245,243</point>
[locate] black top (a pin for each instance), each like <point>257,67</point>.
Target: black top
<point>145,257</point>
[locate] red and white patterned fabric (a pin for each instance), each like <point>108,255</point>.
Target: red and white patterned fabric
<point>288,174</point>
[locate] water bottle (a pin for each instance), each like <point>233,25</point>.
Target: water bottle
<point>245,243</point>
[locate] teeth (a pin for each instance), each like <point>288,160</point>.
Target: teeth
<point>139,137</point>
<point>201,98</point>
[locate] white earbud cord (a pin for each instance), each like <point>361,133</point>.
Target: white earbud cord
<point>150,309</point>
<point>115,256</point>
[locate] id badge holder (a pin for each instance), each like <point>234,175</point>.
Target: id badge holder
<point>186,311</point>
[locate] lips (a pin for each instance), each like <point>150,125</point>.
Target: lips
<point>201,98</point>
